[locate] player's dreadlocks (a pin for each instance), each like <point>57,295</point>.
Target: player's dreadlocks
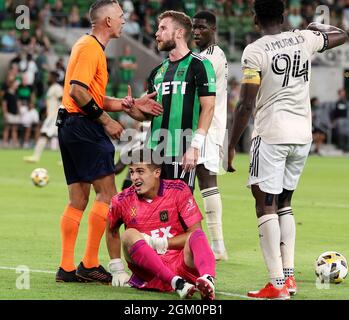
<point>269,11</point>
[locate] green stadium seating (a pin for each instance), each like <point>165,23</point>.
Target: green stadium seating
<point>8,23</point>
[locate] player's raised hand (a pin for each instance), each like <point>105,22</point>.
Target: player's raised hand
<point>120,276</point>
<point>128,102</point>
<point>148,105</point>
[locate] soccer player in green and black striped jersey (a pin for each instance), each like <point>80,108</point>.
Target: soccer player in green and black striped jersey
<point>186,87</point>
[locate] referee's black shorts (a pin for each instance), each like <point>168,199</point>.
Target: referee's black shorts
<point>87,152</point>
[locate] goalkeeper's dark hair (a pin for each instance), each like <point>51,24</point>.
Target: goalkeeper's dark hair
<point>146,156</point>
<point>269,11</point>
<point>208,16</point>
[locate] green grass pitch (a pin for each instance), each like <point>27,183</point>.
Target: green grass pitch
<point>30,236</point>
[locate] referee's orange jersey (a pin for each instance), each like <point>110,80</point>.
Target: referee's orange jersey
<point>87,67</point>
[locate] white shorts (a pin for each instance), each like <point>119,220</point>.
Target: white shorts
<point>211,154</point>
<point>274,167</point>
<point>13,118</point>
<point>28,117</point>
<point>49,127</point>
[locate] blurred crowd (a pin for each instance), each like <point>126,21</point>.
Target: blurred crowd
<point>22,94</point>
<point>235,18</point>
<point>23,97</point>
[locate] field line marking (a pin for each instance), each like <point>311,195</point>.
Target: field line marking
<point>31,270</point>
<point>229,294</point>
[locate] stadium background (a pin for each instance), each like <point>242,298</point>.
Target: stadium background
<point>29,228</point>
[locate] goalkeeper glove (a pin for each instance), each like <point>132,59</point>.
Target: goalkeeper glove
<point>120,276</point>
<point>160,245</point>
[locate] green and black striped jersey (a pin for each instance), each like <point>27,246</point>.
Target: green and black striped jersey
<point>179,84</point>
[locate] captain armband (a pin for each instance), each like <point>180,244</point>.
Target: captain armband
<point>251,76</point>
<point>92,110</point>
<point>326,42</point>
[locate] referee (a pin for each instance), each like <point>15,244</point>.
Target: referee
<point>84,132</point>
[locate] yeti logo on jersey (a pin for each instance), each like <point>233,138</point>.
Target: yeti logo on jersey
<point>171,87</point>
<point>164,216</point>
<point>166,233</point>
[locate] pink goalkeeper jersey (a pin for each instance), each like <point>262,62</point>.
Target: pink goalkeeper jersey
<point>170,213</point>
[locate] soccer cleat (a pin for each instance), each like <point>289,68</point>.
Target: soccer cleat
<point>95,274</point>
<point>221,256</point>
<point>30,159</point>
<point>270,292</point>
<point>184,289</point>
<point>66,276</point>
<point>205,285</point>
<point>291,285</point>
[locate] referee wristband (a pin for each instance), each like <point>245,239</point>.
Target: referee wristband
<point>92,110</point>
<point>198,141</point>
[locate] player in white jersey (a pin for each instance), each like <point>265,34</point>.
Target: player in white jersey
<point>204,28</point>
<point>275,87</point>
<point>49,129</point>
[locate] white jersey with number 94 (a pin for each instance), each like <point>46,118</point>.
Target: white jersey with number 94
<point>283,113</point>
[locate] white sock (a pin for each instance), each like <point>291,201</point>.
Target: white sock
<point>173,282</point>
<point>288,272</point>
<point>288,237</point>
<point>269,239</point>
<point>39,147</point>
<point>277,282</point>
<point>213,208</point>
<point>54,145</point>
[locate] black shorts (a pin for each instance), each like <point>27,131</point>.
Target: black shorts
<point>87,152</point>
<point>173,171</point>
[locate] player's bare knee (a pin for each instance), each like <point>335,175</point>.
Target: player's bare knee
<point>265,204</point>
<point>106,198</point>
<point>79,203</point>
<point>105,188</point>
<point>79,195</point>
<point>105,194</point>
<point>130,237</point>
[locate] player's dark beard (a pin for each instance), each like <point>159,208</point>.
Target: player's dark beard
<point>167,46</point>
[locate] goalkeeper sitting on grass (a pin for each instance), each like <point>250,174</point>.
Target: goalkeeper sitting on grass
<point>163,243</point>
